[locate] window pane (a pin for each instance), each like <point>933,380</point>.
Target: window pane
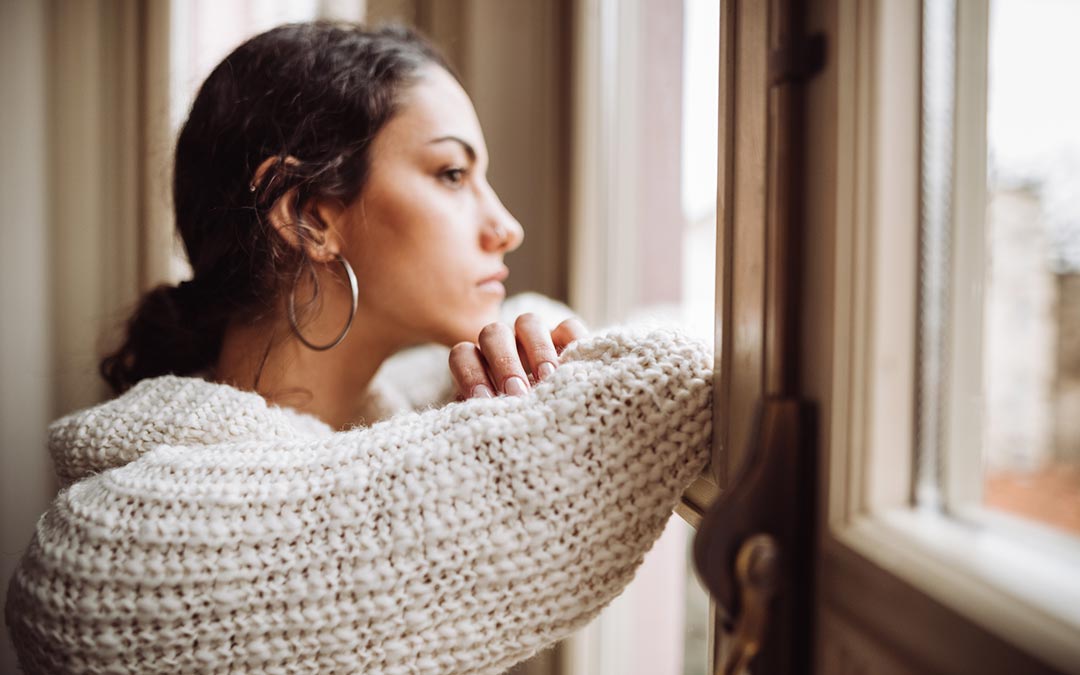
<point>999,300</point>
<point>1032,315</point>
<point>658,64</point>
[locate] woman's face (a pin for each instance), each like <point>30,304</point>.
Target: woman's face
<point>427,229</point>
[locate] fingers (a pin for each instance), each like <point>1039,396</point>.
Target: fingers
<point>499,347</point>
<point>566,332</point>
<point>535,343</point>
<point>507,360</point>
<point>470,374</point>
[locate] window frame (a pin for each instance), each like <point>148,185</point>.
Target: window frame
<point>876,549</point>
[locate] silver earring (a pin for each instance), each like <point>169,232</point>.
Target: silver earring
<point>353,288</point>
<point>254,184</point>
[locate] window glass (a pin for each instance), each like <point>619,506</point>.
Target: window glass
<point>660,625</point>
<point>999,297</point>
<point>205,31</point>
<point>1032,310</point>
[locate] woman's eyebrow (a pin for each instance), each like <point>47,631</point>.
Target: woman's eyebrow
<point>469,150</point>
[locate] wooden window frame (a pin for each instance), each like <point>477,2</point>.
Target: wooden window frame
<point>938,575</point>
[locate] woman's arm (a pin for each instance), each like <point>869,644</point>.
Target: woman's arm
<point>460,539</point>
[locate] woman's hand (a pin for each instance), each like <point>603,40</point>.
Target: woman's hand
<point>507,360</point>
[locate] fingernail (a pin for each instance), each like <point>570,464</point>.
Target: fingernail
<point>482,391</point>
<point>515,386</point>
<point>546,368</point>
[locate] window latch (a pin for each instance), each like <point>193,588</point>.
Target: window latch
<point>754,547</point>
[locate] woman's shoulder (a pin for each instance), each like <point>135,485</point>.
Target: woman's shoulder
<point>167,410</point>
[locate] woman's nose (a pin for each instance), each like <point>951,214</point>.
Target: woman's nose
<point>502,231</point>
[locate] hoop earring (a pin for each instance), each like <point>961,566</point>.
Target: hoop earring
<point>353,287</point>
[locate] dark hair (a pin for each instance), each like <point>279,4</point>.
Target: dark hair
<point>318,92</point>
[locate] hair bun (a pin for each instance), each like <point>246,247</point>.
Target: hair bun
<point>184,289</point>
<point>166,334</point>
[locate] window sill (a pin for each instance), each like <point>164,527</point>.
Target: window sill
<point>1009,587</point>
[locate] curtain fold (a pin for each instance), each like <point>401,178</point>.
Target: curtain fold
<point>109,216</point>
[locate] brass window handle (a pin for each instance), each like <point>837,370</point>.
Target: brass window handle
<point>753,549</point>
<point>757,575</point>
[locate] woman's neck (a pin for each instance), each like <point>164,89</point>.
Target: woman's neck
<point>331,385</point>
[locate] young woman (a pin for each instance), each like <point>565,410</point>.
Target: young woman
<point>233,510</point>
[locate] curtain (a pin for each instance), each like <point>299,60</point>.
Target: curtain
<point>86,218</point>
<point>109,154</point>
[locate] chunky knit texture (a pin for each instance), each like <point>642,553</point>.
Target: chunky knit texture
<point>202,530</point>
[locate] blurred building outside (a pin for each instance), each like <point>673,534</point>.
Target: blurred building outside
<point>1032,281</point>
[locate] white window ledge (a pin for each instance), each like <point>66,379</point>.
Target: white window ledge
<point>1025,589</point>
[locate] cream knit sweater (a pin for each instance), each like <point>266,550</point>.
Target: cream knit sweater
<point>202,530</point>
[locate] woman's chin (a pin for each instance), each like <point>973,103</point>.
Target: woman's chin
<point>466,332</point>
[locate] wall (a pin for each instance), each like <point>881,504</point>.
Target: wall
<point>1067,384</point>
<point>1019,334</point>
<point>25,365</point>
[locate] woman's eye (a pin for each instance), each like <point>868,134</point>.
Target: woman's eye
<point>453,177</point>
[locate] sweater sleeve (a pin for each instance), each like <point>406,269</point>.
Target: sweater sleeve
<point>456,540</point>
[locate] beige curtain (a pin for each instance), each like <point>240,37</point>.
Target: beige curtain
<point>109,151</point>
<point>86,222</point>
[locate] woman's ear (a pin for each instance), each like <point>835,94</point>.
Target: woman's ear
<point>321,244</point>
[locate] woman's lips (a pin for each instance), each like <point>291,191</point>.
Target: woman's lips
<point>499,275</point>
<point>492,286</point>
<point>493,283</point>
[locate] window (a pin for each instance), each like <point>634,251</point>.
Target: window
<point>1031,315</point>
<point>644,244</point>
<point>949,392</point>
<point>996,440</point>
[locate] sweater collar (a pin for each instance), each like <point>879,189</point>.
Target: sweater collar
<point>168,410</point>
